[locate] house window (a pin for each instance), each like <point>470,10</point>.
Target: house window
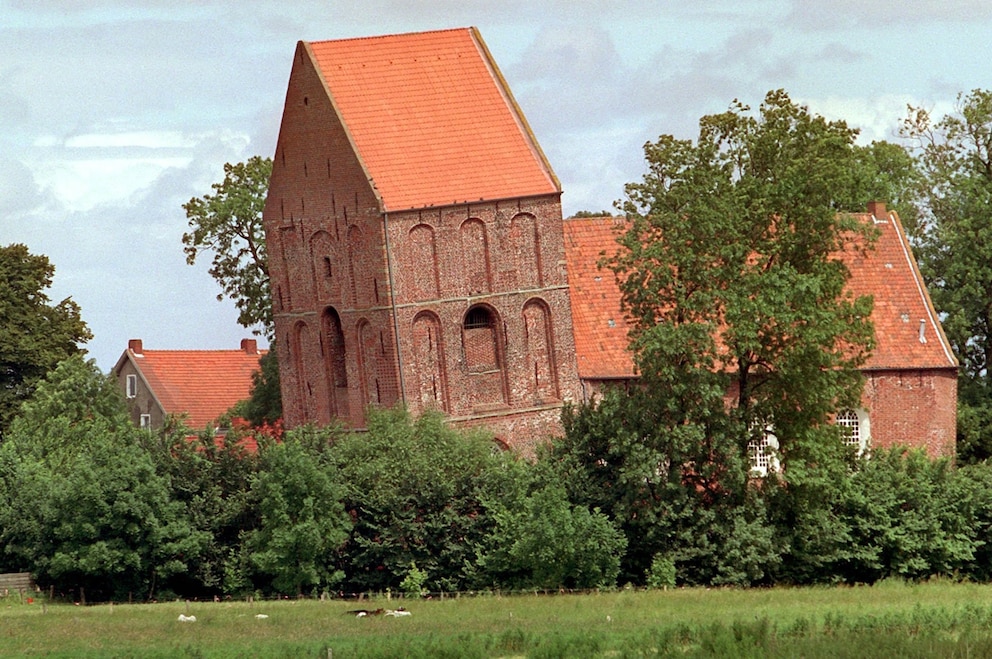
<point>762,452</point>
<point>854,425</point>
<point>132,386</point>
<point>145,421</point>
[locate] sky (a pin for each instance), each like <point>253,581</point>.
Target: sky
<point>114,113</point>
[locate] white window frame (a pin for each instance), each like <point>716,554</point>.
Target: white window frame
<point>145,421</point>
<point>763,454</point>
<point>131,389</point>
<point>859,435</point>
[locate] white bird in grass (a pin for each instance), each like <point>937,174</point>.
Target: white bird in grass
<point>183,618</point>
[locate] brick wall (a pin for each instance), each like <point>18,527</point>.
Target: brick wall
<point>371,307</point>
<point>913,408</point>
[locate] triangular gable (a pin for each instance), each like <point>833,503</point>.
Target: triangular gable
<point>888,273</point>
<point>432,119</point>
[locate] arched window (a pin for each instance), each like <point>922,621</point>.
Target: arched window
<point>423,264</point>
<point>475,257</point>
<point>856,429</point>
<point>542,375</point>
<point>481,345</point>
<point>335,362</point>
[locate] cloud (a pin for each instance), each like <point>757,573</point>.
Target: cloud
<point>885,14</point>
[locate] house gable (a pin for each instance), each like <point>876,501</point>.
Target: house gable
<point>200,384</point>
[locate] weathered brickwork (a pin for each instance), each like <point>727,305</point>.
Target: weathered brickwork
<point>913,408</point>
<point>439,274</point>
<point>461,308</point>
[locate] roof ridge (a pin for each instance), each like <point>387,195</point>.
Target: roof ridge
<point>377,37</point>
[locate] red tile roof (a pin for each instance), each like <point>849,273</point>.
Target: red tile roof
<point>888,273</point>
<point>432,119</point>
<point>204,384</point>
<point>599,325</point>
<point>903,311</point>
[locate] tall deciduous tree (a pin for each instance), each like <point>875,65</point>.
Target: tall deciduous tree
<point>229,224</point>
<point>728,269</point>
<point>955,247</point>
<point>35,335</point>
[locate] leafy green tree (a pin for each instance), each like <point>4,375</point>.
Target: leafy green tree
<point>954,242</point>
<point>417,492</point>
<point>229,224</point>
<point>81,504</point>
<point>264,405</point>
<point>679,491</point>
<point>727,272</point>
<point>210,477</point>
<point>302,521</point>
<point>35,335</point>
<point>544,541</point>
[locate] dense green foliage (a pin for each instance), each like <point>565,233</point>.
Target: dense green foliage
<point>264,405</point>
<point>81,505</point>
<point>229,224</point>
<point>35,335</point>
<point>954,243</point>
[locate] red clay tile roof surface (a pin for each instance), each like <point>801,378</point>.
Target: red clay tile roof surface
<point>202,383</point>
<point>889,273</point>
<point>432,119</point>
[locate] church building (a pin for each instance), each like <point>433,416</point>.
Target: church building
<point>418,255</point>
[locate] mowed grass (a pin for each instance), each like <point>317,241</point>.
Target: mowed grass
<point>886,620</point>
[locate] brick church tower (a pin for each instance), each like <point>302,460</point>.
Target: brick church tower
<point>415,241</point>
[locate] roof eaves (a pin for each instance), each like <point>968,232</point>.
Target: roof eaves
<point>137,367</point>
<point>470,202</point>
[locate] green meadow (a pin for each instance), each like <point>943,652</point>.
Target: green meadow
<point>891,619</point>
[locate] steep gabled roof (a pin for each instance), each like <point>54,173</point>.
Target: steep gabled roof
<point>902,313</point>
<point>203,384</point>
<point>432,119</point>
<point>907,330</point>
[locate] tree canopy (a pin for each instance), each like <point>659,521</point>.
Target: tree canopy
<point>954,241</point>
<point>35,334</point>
<point>229,224</point>
<point>728,276</point>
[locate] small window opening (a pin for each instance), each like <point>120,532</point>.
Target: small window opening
<point>132,386</point>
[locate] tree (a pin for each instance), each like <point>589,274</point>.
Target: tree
<point>81,503</point>
<point>35,335</point>
<point>264,405</point>
<point>416,490</point>
<point>302,519</point>
<point>728,274</point>
<point>229,224</point>
<point>954,242</point>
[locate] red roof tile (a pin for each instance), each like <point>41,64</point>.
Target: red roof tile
<point>599,325</point>
<point>432,119</point>
<point>888,273</point>
<point>204,384</point>
<point>907,331</point>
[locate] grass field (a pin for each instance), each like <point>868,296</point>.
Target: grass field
<point>887,620</point>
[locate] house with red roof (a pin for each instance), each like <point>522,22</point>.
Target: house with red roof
<point>418,255</point>
<point>198,385</point>
<point>910,394</point>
